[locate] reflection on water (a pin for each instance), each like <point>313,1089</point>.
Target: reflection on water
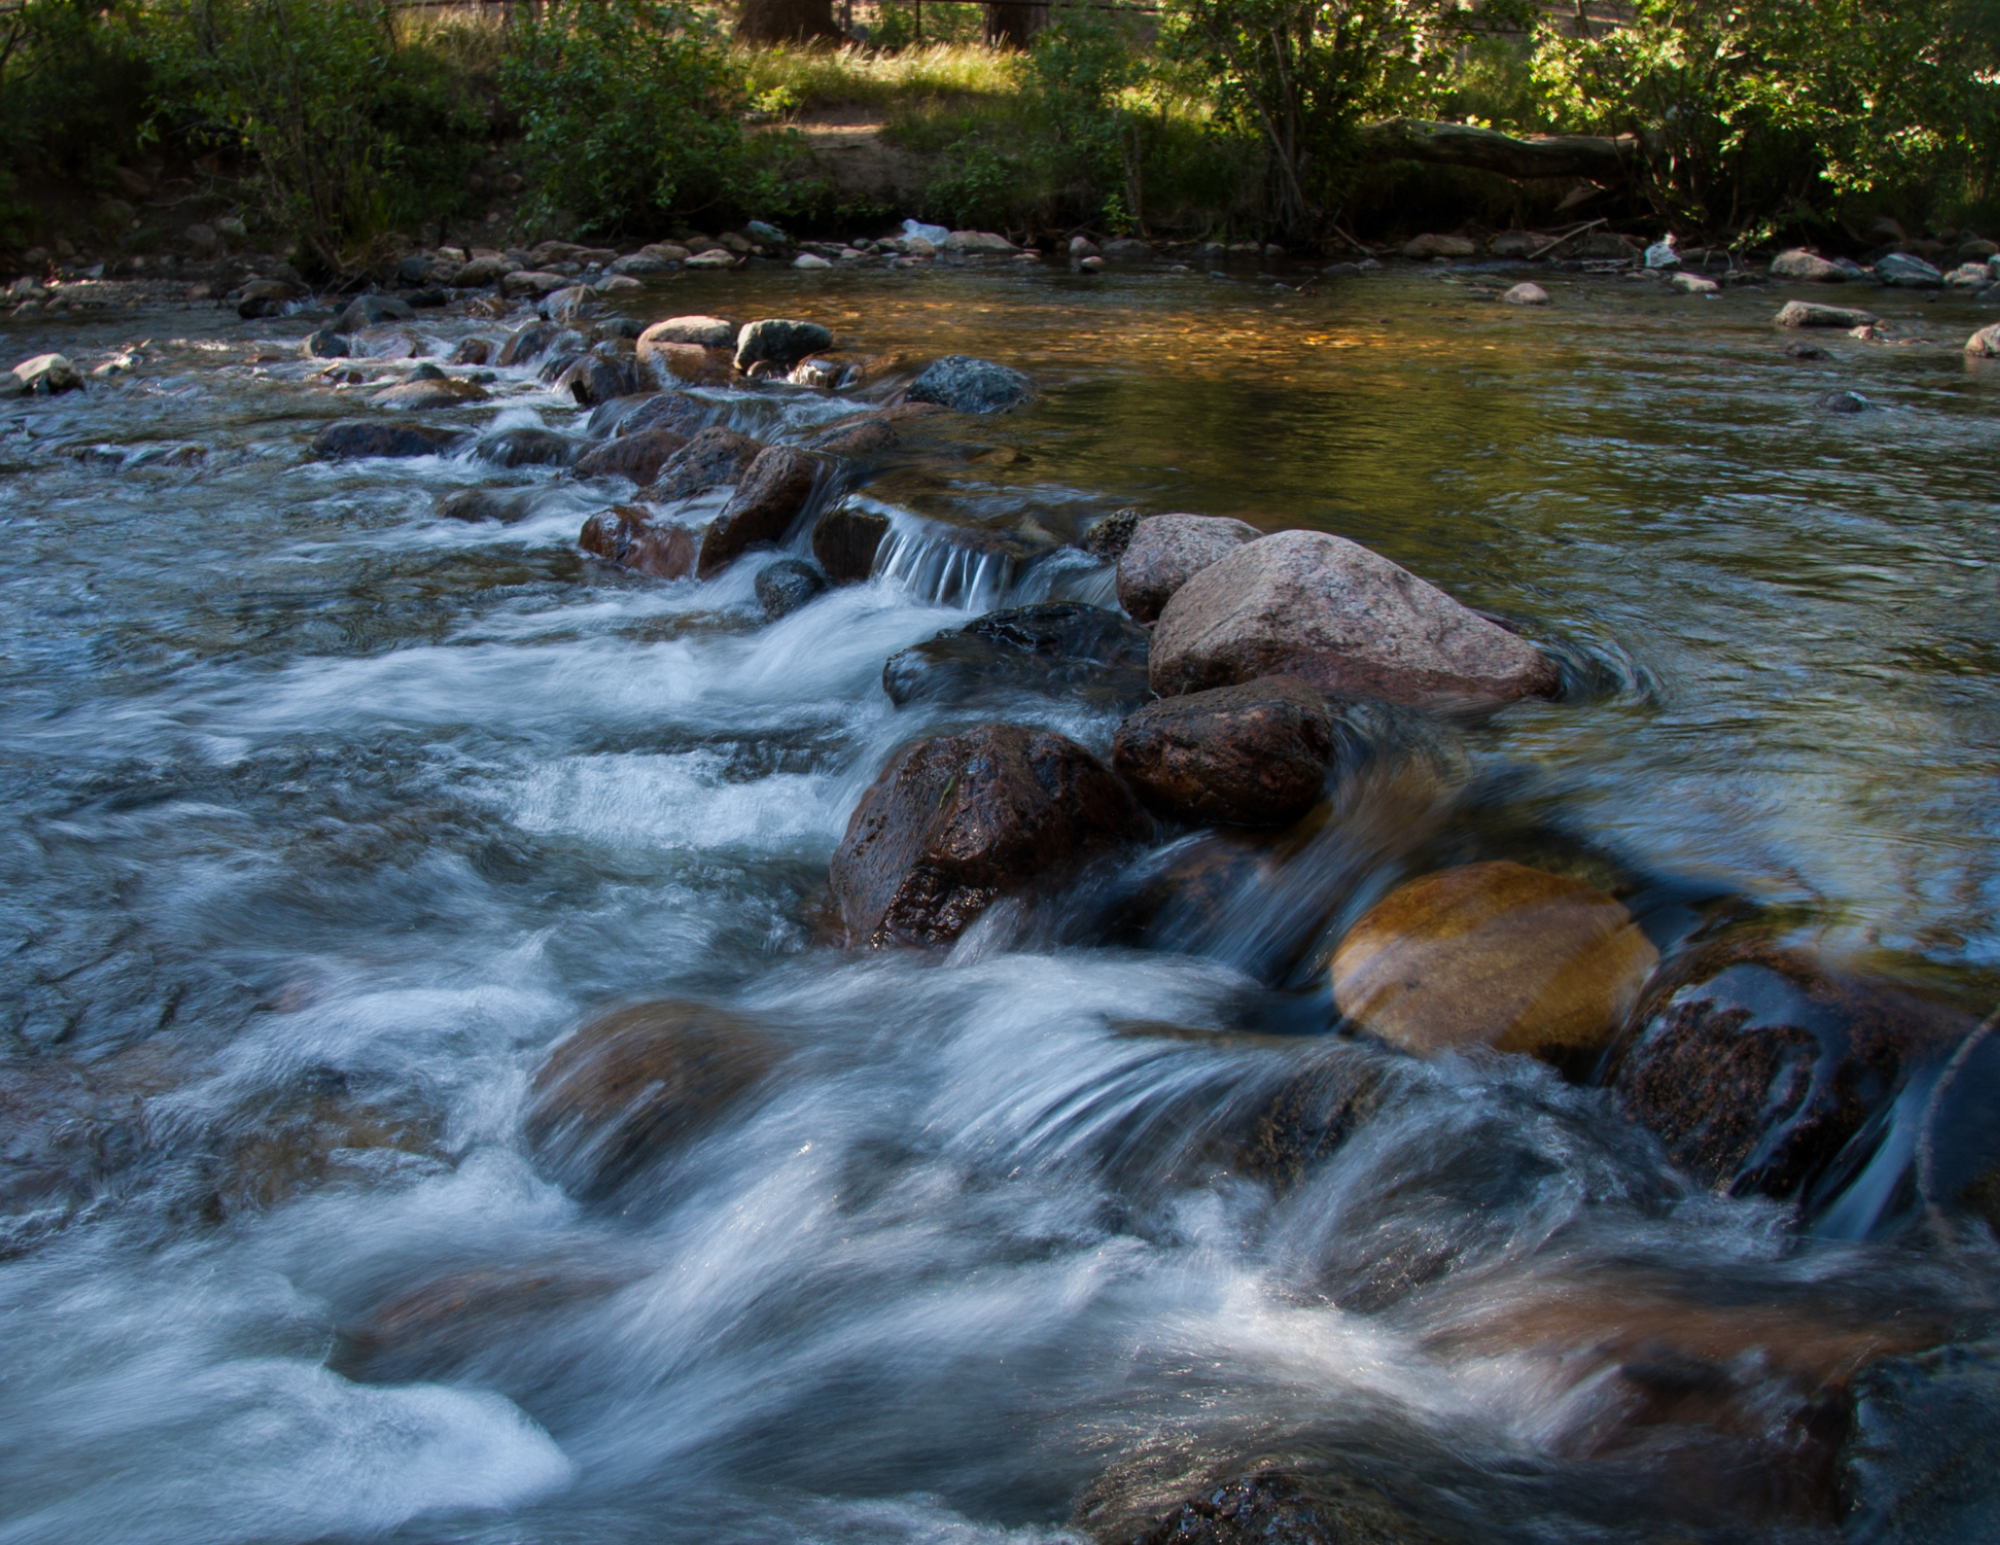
<point>326,817</point>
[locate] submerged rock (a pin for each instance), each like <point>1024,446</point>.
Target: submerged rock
<point>636,456</point>
<point>845,541</point>
<point>1805,313</point>
<point>1755,1067</point>
<point>1346,619</point>
<point>1291,1499</point>
<point>1920,1462</point>
<point>636,1083</point>
<point>360,438</point>
<point>967,385</point>
<point>1164,551</point>
<point>1493,954</point>
<point>785,586</point>
<point>506,505</point>
<point>779,341</point>
<point>1053,646</point>
<point>527,448</point>
<point>955,822</point>
<point>440,1328</point>
<point>1254,754</point>
<point>715,458</point>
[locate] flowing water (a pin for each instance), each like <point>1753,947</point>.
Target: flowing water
<point>325,818</point>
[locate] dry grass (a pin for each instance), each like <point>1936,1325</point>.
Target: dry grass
<point>801,79</point>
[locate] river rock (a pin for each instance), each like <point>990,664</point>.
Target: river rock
<point>532,283</point>
<point>1810,266</point>
<point>1806,313</point>
<point>417,396</point>
<point>630,536</point>
<point>1348,620</point>
<point>482,271</point>
<point>355,439</point>
<point>372,311</point>
<point>663,410</point>
<point>1923,1449</point>
<point>530,343</point>
<point>978,241</point>
<point>785,586</point>
<point>715,458</point>
<point>1526,293</point>
<point>1694,284</point>
<point>637,456</point>
<point>779,341</point>
<point>636,1083</point>
<point>595,379</point>
<point>774,491</point>
<point>527,447</point>
<point>703,332</point>
<point>1430,246</point>
<point>1985,344</point>
<point>1903,271</point>
<point>1165,551</point>
<point>967,385</point>
<point>506,505</point>
<point>954,822</point>
<point>325,343</point>
<point>1493,954</point>
<point>1128,249</point>
<point>47,375</point>
<point>443,1328</point>
<point>1253,754</point>
<point>845,540</point>
<point>1756,1066</point>
<point>263,298</point>
<point>1054,647</point>
<point>1958,1144</point>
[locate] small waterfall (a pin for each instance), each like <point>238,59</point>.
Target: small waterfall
<point>953,567</point>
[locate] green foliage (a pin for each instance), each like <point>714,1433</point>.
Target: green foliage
<point>629,110</point>
<point>352,136</point>
<point>860,77</point>
<point>1769,114</point>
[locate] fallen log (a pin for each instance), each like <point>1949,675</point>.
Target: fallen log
<point>1598,157</point>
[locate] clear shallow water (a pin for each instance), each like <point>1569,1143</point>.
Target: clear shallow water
<point>325,818</point>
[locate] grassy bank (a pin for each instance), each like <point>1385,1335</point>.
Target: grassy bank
<point>342,129</point>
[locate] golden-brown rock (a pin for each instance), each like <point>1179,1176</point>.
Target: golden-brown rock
<point>1493,954</point>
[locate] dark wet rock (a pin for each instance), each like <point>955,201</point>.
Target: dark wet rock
<point>1805,313</point>
<point>845,540</point>
<point>506,505</point>
<point>1166,551</point>
<point>327,343</point>
<point>1055,647</point>
<point>372,311</point>
<point>715,458</point>
<point>967,385</point>
<point>1314,1112</point>
<point>861,439</point>
<point>954,822</point>
<point>1755,1067</point>
<point>1108,538</point>
<point>1287,1499</point>
<point>637,1083</point>
<point>360,437</point>
<point>558,364</point>
<point>1902,270</point>
<point>530,343</point>
<point>620,327</point>
<point>444,1327</point>
<point>779,341</point>
<point>1308,604</point>
<point>785,586</point>
<point>482,271</point>
<point>1844,402</point>
<point>1922,1464</point>
<point>265,298</point>
<point>1804,351</point>
<point>430,298</point>
<point>527,448</point>
<point>636,456</point>
<point>594,379</point>
<point>1493,954</point>
<point>1253,754</point>
<point>774,491</point>
<point>472,351</point>
<point>1958,1144</point>
<point>630,536</point>
<point>421,395</point>
<point>1128,249</point>
<point>700,331</point>
<point>324,1140</point>
<point>677,411</point>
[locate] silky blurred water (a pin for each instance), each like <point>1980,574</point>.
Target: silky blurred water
<point>325,817</point>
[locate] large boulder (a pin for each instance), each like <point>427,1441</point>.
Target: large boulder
<point>1903,270</point>
<point>955,822</point>
<point>355,439</point>
<point>1810,266</point>
<point>1054,646</point>
<point>637,1083</point>
<point>1493,954</point>
<point>1165,551</point>
<point>1806,313</point>
<point>845,540</point>
<point>1308,604</point>
<point>1254,754</point>
<point>636,456</point>
<point>774,491</point>
<point>780,341</point>
<point>967,385</point>
<point>715,458</point>
<point>1756,1067</point>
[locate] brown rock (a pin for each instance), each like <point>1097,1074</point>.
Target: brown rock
<point>1254,754</point>
<point>439,1327</point>
<point>1165,551</point>
<point>1346,619</point>
<point>845,541</point>
<point>638,456</point>
<point>715,458</point>
<point>506,505</point>
<point>1755,1066</point>
<point>956,821</point>
<point>1806,313</point>
<point>688,362</point>
<point>351,440</point>
<point>773,493</point>
<point>418,396</point>
<point>638,1081</point>
<point>1493,954</point>
<point>628,536</point>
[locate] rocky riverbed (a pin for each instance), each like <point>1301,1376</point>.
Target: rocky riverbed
<point>964,899</point>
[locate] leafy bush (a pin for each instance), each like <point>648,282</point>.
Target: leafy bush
<point>629,110</point>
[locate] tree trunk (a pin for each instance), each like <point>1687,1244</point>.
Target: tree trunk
<point>1012,26</point>
<point>1539,155</point>
<point>785,21</point>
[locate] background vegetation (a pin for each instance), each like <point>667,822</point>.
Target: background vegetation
<point>347,127</point>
